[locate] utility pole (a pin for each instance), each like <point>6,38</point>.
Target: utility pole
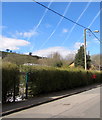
<point>85,48</point>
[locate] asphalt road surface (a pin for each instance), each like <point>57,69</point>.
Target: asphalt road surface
<point>83,105</point>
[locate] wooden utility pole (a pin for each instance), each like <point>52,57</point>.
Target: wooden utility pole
<point>85,48</point>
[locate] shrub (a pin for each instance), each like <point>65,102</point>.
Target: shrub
<point>49,79</point>
<point>10,77</point>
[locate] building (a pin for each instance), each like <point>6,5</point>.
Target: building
<point>71,64</point>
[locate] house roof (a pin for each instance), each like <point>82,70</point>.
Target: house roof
<point>71,63</point>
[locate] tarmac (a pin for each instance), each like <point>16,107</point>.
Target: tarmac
<point>10,108</point>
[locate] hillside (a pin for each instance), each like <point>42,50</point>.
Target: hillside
<point>19,58</point>
<point>96,59</point>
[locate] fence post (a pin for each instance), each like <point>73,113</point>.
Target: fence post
<point>26,85</point>
<point>14,92</point>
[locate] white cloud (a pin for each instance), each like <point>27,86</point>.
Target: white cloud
<point>61,50</point>
<point>77,45</point>
<point>47,25</point>
<point>64,52</point>
<point>96,40</point>
<point>11,43</point>
<point>2,27</point>
<point>65,30</point>
<point>26,34</point>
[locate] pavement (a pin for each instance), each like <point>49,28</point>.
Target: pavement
<point>82,105</point>
<point>9,108</point>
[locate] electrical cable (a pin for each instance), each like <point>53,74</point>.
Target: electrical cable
<point>67,19</point>
<point>56,25</point>
<point>77,21</point>
<point>60,14</point>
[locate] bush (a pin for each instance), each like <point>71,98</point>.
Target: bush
<point>46,79</point>
<point>58,64</point>
<point>10,77</point>
<point>43,79</point>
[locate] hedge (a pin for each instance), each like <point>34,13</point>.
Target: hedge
<point>10,77</point>
<point>45,80</point>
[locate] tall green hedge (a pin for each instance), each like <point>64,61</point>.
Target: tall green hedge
<point>10,76</point>
<point>44,79</point>
<point>49,79</point>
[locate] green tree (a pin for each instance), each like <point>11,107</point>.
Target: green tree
<point>30,53</point>
<point>88,58</point>
<point>7,50</point>
<point>79,59</point>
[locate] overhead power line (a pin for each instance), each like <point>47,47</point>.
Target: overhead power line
<point>68,19</point>
<point>77,21</point>
<point>95,35</point>
<point>95,18</point>
<point>40,21</point>
<point>60,15</point>
<point>57,25</point>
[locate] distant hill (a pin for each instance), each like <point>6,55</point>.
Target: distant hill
<point>96,59</point>
<point>18,58</point>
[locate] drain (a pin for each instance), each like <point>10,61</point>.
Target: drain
<point>66,104</point>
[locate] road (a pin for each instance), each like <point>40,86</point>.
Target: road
<point>83,105</point>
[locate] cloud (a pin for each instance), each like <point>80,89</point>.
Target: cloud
<point>28,34</point>
<point>11,43</point>
<point>64,52</point>
<point>48,26</point>
<point>65,30</point>
<point>2,27</point>
<point>96,40</point>
<point>77,45</point>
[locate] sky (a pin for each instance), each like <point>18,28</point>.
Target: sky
<point>29,27</point>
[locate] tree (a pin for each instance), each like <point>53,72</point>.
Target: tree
<point>7,50</point>
<point>30,53</point>
<point>88,60</point>
<point>58,64</point>
<point>56,59</point>
<point>79,59</point>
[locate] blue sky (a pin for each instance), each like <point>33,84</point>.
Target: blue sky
<point>28,27</point>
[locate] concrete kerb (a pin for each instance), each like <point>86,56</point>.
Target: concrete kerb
<point>47,101</point>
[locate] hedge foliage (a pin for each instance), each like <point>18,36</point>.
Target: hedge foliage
<point>46,79</point>
<point>10,76</point>
<point>43,79</point>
